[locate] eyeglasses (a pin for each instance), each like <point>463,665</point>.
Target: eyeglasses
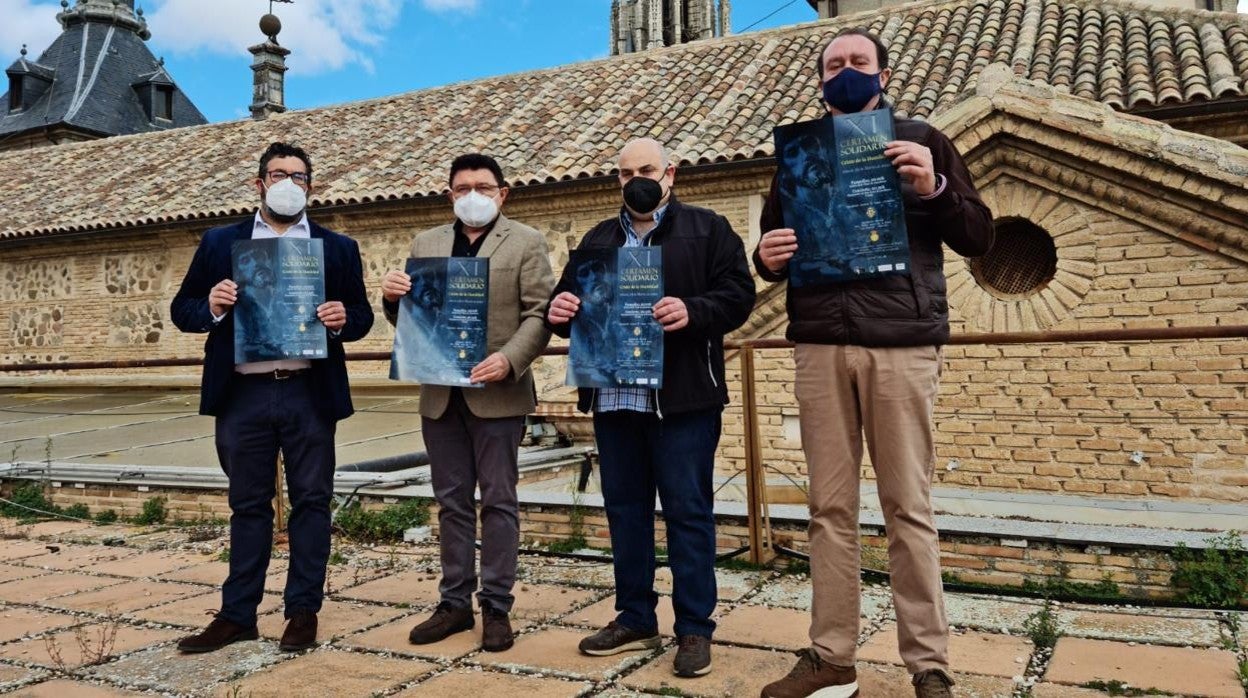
<point>300,178</point>
<point>482,189</point>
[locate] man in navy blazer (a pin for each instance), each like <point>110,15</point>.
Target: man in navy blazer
<point>261,407</point>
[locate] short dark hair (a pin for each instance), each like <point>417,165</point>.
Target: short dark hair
<point>278,149</point>
<point>881,51</point>
<point>477,161</point>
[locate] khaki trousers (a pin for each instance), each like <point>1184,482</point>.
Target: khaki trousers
<point>886,395</point>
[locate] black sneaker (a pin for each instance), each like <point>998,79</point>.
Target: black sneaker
<point>693,656</point>
<point>616,638</point>
<point>446,620</point>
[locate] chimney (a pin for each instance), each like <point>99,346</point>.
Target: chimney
<point>269,67</point>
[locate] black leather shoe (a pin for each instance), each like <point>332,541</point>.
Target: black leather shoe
<point>496,634</point>
<point>446,620</point>
<point>219,633</point>
<point>300,633</point>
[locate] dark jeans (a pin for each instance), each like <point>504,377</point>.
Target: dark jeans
<point>466,451</point>
<point>639,453</point>
<point>261,417</point>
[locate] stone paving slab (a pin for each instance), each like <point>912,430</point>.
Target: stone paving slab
<point>16,622</point>
<point>598,614</point>
<point>1152,629</point>
<point>150,564</point>
<point>1201,672</point>
<point>60,688</point>
<point>167,669</point>
<point>77,557</point>
<point>349,673</point>
<point>16,549</point>
<point>553,651</point>
<point>337,618</point>
<point>10,572</point>
<point>339,578</point>
<point>73,653</point>
<point>989,613</point>
<point>735,671</point>
<point>414,587</point>
<point>50,586</point>
<point>730,585</point>
<point>970,651</point>
<point>196,611</point>
<point>543,602</point>
<point>478,682</point>
<point>780,628</point>
<point>1053,690</point>
<point>214,574</point>
<point>125,597</point>
<point>392,637</point>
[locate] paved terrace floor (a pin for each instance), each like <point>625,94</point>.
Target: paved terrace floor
<point>69,590</point>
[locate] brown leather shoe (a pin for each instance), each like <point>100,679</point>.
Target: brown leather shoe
<point>933,683</point>
<point>616,638</point>
<point>446,620</point>
<point>300,633</point>
<point>219,633</point>
<point>693,656</point>
<point>813,676</point>
<point>496,634</point>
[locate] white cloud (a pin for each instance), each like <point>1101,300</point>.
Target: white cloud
<point>26,22</point>
<point>324,35</point>
<point>450,5</point>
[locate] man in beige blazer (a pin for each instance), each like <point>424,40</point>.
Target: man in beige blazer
<point>473,434</point>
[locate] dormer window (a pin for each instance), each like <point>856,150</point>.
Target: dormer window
<point>15,93</point>
<point>164,102</point>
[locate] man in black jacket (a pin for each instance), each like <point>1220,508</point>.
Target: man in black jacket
<point>665,439</point>
<point>261,407</point>
<point>868,361</point>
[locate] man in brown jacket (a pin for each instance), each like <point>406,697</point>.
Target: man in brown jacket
<point>472,435</point>
<point>868,360</point>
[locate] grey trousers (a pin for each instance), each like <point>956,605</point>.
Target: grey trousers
<point>466,451</point>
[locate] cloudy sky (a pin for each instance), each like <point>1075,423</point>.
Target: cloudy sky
<point>355,49</point>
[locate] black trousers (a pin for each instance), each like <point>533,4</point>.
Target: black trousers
<point>262,416</point>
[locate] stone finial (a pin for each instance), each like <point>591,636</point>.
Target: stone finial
<point>268,71</point>
<point>23,51</point>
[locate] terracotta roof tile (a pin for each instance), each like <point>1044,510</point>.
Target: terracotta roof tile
<point>709,101</point>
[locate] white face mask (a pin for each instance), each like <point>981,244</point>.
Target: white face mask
<point>286,198</point>
<point>475,210</point>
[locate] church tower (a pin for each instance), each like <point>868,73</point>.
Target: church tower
<point>638,25</point>
<point>97,79</point>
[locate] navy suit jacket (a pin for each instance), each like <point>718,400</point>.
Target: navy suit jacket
<point>344,281</point>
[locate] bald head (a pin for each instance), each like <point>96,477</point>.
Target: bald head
<point>643,150</point>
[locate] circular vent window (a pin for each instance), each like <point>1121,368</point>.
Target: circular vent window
<point>1022,260</point>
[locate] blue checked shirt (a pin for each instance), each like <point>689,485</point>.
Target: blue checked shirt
<point>633,399</point>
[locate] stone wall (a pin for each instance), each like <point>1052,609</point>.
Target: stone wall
<point>1140,419</point>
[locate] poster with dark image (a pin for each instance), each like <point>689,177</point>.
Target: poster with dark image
<point>842,197</point>
<point>281,282</point>
<point>441,330</point>
<point>616,342</point>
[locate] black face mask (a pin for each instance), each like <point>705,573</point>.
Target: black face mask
<point>642,195</point>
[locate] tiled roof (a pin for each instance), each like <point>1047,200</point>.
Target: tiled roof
<point>96,62</point>
<point>709,101</point>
